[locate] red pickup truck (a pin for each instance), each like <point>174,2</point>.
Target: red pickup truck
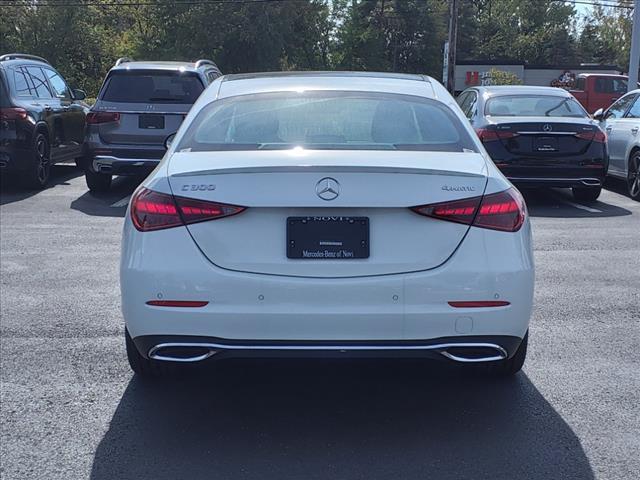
<point>599,90</point>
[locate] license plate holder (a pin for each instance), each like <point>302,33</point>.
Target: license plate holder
<point>151,121</point>
<point>546,144</point>
<point>327,238</point>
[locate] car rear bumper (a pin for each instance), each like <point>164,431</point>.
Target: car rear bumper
<point>14,159</point>
<point>254,308</point>
<point>190,349</point>
<point>557,182</point>
<point>123,166</point>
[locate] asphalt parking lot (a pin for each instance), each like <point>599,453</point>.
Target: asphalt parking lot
<point>71,409</point>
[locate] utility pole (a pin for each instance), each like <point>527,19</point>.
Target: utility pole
<point>634,56</point>
<point>453,34</point>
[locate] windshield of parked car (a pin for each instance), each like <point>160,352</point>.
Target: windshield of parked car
<point>534,106</point>
<point>326,120</point>
<point>152,87</point>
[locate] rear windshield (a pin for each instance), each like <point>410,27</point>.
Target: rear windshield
<point>152,87</point>
<point>534,106</point>
<point>326,120</point>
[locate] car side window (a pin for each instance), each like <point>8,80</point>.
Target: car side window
<point>23,88</point>
<point>634,111</point>
<point>212,75</point>
<point>471,107</point>
<point>59,86</point>
<point>618,109</point>
<point>39,82</point>
<point>462,98</point>
<point>611,85</point>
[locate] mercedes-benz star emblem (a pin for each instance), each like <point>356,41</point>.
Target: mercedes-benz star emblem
<point>328,188</point>
<point>547,128</point>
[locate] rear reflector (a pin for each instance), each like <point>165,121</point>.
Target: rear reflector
<point>504,211</point>
<point>492,135</point>
<point>479,304</point>
<point>94,118</point>
<point>13,113</point>
<point>594,135</point>
<point>154,211</point>
<point>177,303</point>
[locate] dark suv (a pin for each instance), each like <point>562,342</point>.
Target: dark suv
<point>42,121</point>
<point>139,105</point>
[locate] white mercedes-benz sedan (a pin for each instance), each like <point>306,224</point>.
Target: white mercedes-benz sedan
<point>326,214</point>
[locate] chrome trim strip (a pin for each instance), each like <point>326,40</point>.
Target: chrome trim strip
<point>327,168</point>
<point>586,181</point>
<point>440,348</point>
<point>549,133</point>
<point>109,160</point>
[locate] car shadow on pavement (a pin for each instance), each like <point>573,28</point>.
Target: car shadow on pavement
<point>348,419</point>
<point>11,190</point>
<point>559,203</point>
<point>108,204</point>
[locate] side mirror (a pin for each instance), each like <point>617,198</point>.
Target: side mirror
<point>169,140</point>
<point>598,114</point>
<point>79,94</point>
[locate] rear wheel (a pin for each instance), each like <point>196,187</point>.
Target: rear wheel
<point>97,182</point>
<point>143,366</point>
<point>37,175</point>
<point>510,366</point>
<point>586,194</point>
<point>633,176</point>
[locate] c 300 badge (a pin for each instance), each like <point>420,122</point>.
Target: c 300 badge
<point>202,187</point>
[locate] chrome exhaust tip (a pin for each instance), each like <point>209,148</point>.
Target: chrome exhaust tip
<point>181,352</point>
<point>475,353</point>
<point>591,182</point>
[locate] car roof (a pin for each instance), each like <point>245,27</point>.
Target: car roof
<point>248,83</point>
<point>494,91</point>
<point>157,65</point>
<point>324,73</point>
<point>10,62</point>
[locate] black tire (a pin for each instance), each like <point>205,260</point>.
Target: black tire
<point>633,176</point>
<point>97,182</point>
<point>39,170</point>
<point>143,366</point>
<point>586,194</point>
<point>510,366</point>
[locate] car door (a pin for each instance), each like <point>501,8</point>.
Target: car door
<point>630,131</point>
<point>72,113</point>
<point>51,115</point>
<point>617,133</point>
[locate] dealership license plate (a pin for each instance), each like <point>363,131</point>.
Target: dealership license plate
<point>546,144</point>
<point>151,121</point>
<point>327,238</point>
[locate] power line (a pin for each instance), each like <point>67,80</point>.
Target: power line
<point>598,3</point>
<point>77,3</point>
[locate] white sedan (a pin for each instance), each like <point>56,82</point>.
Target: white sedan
<point>330,213</point>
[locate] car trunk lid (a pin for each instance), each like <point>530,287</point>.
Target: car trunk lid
<point>543,136</point>
<point>280,187</point>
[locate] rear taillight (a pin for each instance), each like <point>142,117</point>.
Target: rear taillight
<point>594,135</point>
<point>492,135</point>
<point>504,211</point>
<point>94,118</point>
<point>154,211</point>
<point>13,113</point>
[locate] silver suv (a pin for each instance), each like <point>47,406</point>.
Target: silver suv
<point>139,105</point>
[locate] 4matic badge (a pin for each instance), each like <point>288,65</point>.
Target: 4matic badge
<point>458,188</point>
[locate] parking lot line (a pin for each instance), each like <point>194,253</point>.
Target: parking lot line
<point>123,202</point>
<point>582,207</point>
